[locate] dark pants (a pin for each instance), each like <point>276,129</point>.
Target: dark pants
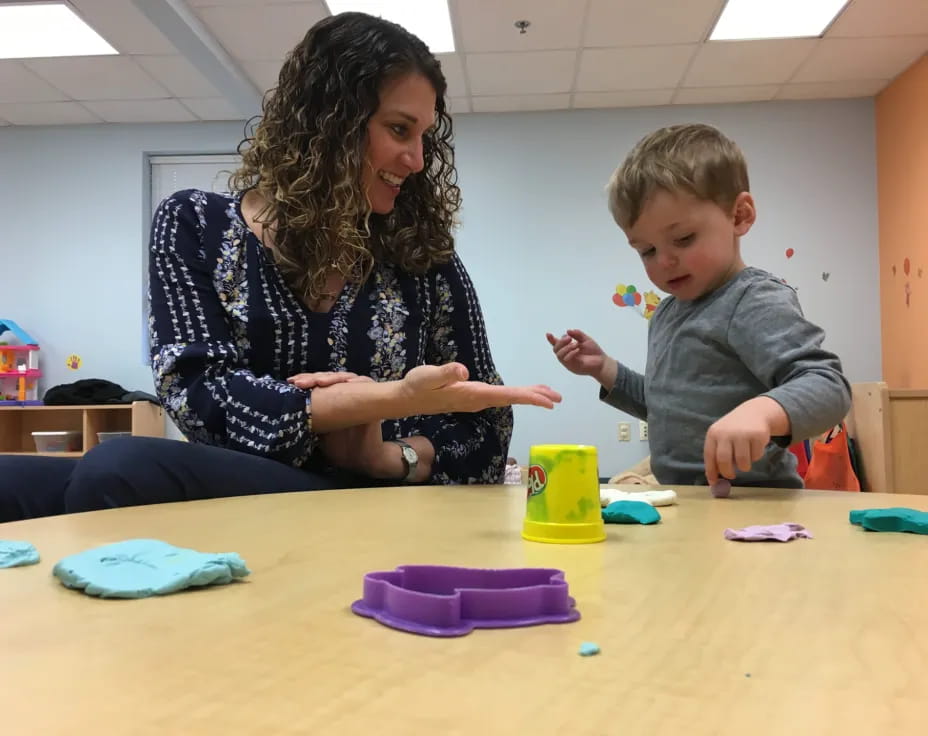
<point>133,471</point>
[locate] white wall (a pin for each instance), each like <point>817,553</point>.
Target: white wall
<point>536,237</point>
<point>74,207</point>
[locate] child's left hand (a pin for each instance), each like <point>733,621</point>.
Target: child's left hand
<point>739,438</point>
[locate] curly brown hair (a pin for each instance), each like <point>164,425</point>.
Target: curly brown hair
<point>305,157</point>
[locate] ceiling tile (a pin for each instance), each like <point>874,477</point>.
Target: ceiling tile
<point>645,67</point>
<point>227,3</point>
<point>262,73</point>
<point>211,108</point>
<point>838,59</point>
<point>262,33</point>
<point>124,26</point>
<point>881,18</point>
<point>452,66</point>
<point>140,111</point>
<point>458,105</point>
<point>823,90</point>
<point>98,77</point>
<point>18,84</point>
<point>728,63</point>
<point>488,25</point>
<point>46,113</point>
<point>629,98</point>
<point>177,75</point>
<point>533,72</point>
<point>649,22</point>
<point>521,103</point>
<point>716,95</point>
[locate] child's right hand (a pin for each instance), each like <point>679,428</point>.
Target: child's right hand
<point>579,353</point>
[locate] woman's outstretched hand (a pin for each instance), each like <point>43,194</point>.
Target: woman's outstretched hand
<point>441,389</point>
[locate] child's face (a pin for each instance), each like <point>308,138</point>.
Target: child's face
<point>689,246</point>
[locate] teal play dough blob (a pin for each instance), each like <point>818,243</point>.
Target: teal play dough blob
<point>15,554</point>
<point>138,568</point>
<point>630,512</point>
<point>896,519</point>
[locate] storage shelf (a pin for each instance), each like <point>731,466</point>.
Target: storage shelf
<point>17,423</point>
<point>45,454</point>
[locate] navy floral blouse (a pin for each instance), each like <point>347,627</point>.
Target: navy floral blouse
<point>227,331</point>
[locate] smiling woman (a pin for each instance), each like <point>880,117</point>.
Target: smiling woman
<point>314,329</point>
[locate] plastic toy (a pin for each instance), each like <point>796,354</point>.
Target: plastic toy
<point>19,366</point>
<point>453,601</point>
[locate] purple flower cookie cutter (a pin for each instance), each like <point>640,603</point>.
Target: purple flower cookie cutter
<point>452,601</point>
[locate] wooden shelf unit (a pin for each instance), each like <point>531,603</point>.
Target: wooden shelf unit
<point>17,423</point>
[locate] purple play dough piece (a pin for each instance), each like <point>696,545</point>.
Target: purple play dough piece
<point>453,601</point>
<point>721,488</point>
<point>769,533</point>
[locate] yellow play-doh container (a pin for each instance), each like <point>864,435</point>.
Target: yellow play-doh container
<point>562,504</point>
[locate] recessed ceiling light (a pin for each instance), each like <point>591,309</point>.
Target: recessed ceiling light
<point>34,30</point>
<point>756,19</point>
<point>430,20</point>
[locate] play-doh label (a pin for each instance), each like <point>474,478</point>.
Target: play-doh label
<point>537,480</point>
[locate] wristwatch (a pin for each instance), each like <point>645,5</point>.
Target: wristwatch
<point>410,459</point>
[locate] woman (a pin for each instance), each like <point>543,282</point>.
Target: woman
<point>315,329</point>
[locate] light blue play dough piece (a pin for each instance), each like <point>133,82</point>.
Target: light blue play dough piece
<point>588,649</point>
<point>138,568</point>
<point>631,512</point>
<point>15,554</point>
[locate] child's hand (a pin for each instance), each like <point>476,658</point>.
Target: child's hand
<point>578,353</point>
<point>737,440</point>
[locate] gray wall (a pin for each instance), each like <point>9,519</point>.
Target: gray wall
<point>536,237</point>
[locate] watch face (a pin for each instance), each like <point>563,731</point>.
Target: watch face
<point>410,455</point>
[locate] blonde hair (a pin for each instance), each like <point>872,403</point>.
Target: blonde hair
<point>694,158</point>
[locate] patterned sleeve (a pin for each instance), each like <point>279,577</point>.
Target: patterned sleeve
<point>201,376</point>
<point>469,447</point>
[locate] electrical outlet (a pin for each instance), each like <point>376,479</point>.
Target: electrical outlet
<point>643,431</point>
<point>625,432</point>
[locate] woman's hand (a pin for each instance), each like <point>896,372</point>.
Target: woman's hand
<point>324,378</point>
<point>442,389</point>
<point>361,449</point>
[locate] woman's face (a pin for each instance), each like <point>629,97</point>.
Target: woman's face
<point>394,138</point>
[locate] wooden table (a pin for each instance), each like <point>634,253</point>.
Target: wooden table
<point>699,635</point>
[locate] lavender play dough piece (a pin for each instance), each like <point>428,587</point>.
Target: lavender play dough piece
<point>768,533</point>
<point>721,488</point>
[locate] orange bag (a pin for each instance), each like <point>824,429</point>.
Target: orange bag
<point>801,450</point>
<point>830,468</point>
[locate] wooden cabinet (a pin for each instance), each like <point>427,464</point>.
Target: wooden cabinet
<point>17,423</point>
<point>891,429</point>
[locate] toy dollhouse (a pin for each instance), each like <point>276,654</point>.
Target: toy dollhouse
<point>19,366</point>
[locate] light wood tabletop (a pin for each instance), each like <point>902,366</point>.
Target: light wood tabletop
<point>699,635</point>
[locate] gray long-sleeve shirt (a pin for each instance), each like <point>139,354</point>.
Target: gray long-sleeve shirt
<point>748,338</point>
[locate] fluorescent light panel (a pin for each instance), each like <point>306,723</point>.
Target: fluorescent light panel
<point>430,20</point>
<point>35,30</point>
<point>756,19</point>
